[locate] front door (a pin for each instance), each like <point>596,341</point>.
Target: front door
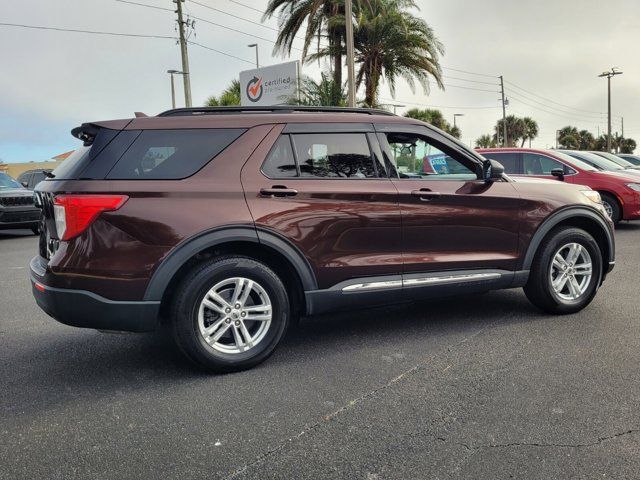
<point>326,190</point>
<point>451,219</point>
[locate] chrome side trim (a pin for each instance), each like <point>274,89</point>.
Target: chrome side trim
<point>373,286</point>
<point>414,282</point>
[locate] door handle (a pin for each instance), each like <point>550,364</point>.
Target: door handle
<point>278,191</point>
<point>425,194</point>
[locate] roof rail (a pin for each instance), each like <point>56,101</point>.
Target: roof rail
<point>269,109</point>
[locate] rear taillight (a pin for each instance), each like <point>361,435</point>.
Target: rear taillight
<point>74,213</point>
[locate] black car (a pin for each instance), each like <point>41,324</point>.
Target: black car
<point>17,209</point>
<point>31,178</point>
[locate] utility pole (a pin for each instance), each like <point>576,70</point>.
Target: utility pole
<point>609,74</point>
<point>184,53</point>
<point>351,81</point>
<point>504,114</point>
<point>622,125</point>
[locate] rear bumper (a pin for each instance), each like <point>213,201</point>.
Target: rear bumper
<point>80,308</point>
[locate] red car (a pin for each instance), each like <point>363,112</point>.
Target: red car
<point>620,191</point>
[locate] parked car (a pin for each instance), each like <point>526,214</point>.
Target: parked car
<point>17,209</point>
<point>616,159</point>
<point>229,223</point>
<point>631,158</point>
<point>620,191</point>
<point>599,162</point>
<point>31,178</point>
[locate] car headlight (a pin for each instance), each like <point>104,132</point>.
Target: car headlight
<point>592,195</point>
<point>634,186</point>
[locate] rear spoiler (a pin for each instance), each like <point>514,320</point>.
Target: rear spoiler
<point>86,132</point>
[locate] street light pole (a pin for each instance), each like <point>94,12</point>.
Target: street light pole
<point>255,45</point>
<point>456,115</point>
<point>351,84</point>
<point>609,74</point>
<point>173,87</point>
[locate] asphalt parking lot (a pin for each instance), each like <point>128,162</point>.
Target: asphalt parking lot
<point>478,387</point>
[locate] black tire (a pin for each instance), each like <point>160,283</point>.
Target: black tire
<point>185,313</point>
<point>609,201</point>
<point>539,290</point>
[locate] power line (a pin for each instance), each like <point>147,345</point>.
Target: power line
<point>437,106</point>
<point>470,88</point>
<point>221,52</point>
<point>77,30</point>
<point>247,6</point>
<point>592,120</point>
<point>234,16</point>
<point>146,5</point>
<point>584,117</point>
<point>552,101</point>
<point>470,73</point>
<point>470,81</point>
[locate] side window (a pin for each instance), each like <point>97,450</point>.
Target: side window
<point>534,164</point>
<point>508,160</point>
<point>416,158</point>
<point>23,178</point>
<point>172,154</point>
<point>280,162</point>
<point>335,155</point>
<point>36,178</point>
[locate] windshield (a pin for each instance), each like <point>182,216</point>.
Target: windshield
<point>573,161</point>
<point>614,159</point>
<point>597,160</point>
<point>7,182</point>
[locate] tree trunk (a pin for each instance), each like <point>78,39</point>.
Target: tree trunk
<point>336,49</point>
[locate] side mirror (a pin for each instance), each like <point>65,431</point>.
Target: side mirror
<point>558,172</point>
<point>492,170</point>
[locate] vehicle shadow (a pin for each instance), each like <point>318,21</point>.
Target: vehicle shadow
<point>74,360</point>
<point>628,226</point>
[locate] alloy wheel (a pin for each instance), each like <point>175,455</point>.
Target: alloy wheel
<point>235,315</point>
<point>571,271</point>
<point>608,209</point>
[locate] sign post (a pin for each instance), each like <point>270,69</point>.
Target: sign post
<point>273,85</point>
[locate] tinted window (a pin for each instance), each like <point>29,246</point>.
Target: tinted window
<point>171,154</point>
<point>7,182</point>
<point>24,178</point>
<point>36,178</point>
<point>534,164</point>
<point>334,155</point>
<point>416,158</point>
<point>509,161</point>
<point>280,162</point>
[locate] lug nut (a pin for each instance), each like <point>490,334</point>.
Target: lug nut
<point>243,314</point>
<point>228,310</point>
<point>228,320</point>
<point>237,323</point>
<point>238,305</point>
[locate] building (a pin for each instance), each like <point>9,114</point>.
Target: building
<point>15,169</point>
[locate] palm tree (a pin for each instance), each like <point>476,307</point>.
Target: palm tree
<point>392,43</point>
<point>515,130</point>
<point>433,117</point>
<point>229,96</point>
<point>485,141</point>
<point>585,140</point>
<point>323,18</point>
<point>569,138</point>
<point>326,92</point>
<point>530,130</point>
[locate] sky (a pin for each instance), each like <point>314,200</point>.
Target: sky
<point>550,53</point>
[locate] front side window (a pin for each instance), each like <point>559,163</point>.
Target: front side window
<point>535,164</point>
<point>334,155</point>
<point>172,154</point>
<point>416,158</point>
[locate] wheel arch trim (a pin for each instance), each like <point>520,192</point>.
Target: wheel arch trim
<point>558,217</point>
<point>190,247</point>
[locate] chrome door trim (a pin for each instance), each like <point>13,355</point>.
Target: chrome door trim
<point>421,281</point>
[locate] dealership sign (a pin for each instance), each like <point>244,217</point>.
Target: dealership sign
<point>273,85</point>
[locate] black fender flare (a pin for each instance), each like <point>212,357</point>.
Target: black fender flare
<point>190,247</point>
<point>558,217</point>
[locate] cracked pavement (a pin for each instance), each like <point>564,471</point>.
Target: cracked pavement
<point>477,387</point>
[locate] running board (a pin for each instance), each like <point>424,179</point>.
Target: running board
<point>422,281</point>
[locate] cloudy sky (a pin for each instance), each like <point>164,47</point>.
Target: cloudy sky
<point>549,51</point>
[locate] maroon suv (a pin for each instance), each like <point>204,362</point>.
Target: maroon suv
<point>229,223</point>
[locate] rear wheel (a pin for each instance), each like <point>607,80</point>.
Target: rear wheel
<point>612,207</point>
<point>230,313</point>
<point>565,274</point>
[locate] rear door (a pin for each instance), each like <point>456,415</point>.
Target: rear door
<point>325,189</point>
<point>451,220</point>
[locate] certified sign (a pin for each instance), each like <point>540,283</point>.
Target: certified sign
<point>273,85</point>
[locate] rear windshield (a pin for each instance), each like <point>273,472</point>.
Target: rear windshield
<point>172,154</point>
<point>71,163</point>
<point>7,182</point>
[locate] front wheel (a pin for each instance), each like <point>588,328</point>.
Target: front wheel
<point>612,207</point>
<point>230,313</point>
<point>566,272</point>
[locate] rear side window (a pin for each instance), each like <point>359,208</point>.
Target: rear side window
<point>508,160</point>
<point>334,155</point>
<point>280,162</point>
<point>171,154</point>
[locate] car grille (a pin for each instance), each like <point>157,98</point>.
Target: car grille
<point>16,201</point>
<point>17,217</point>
